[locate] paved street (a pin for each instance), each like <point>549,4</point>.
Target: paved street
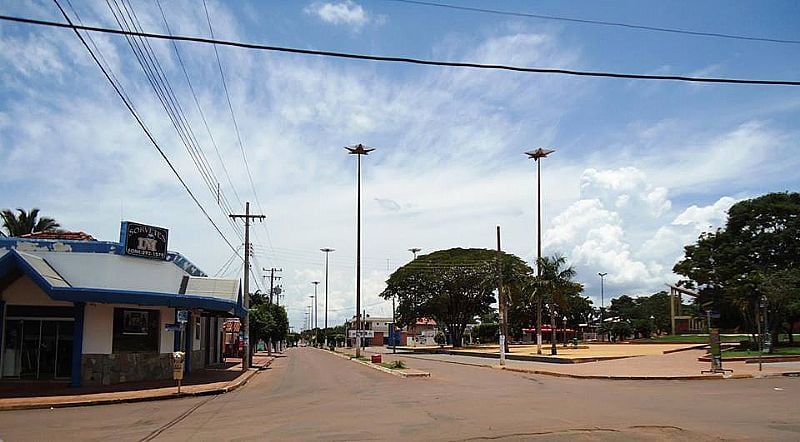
<point>311,395</point>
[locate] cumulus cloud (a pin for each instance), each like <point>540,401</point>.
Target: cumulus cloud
<point>347,12</point>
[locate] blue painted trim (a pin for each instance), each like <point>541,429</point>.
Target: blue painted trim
<point>77,344</point>
<point>108,296</point>
<point>123,237</point>
<point>2,330</point>
<point>176,335</point>
<point>11,243</point>
<point>187,367</point>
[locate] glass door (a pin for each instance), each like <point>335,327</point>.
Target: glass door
<point>38,349</point>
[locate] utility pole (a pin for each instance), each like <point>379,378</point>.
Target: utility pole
<point>272,279</point>
<point>602,276</point>
<point>501,301</point>
<point>246,357</point>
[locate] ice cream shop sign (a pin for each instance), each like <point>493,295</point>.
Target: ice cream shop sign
<point>144,241</point>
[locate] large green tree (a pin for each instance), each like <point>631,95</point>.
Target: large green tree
<point>556,287</point>
<point>756,254</point>
<point>455,286</point>
<point>24,222</point>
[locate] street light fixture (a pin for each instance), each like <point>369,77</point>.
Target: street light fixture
<point>327,251</point>
<point>414,250</point>
<point>358,150</point>
<point>537,155</point>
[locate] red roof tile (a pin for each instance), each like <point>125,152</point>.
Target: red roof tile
<point>61,234</point>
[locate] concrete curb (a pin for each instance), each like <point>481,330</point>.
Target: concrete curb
<point>398,373</point>
<point>626,377</point>
<point>233,385</point>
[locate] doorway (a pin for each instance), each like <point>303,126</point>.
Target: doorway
<point>38,349</point>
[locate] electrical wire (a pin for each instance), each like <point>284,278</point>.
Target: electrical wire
<point>418,61</point>
<point>147,132</point>
<point>599,22</point>
<point>236,124</point>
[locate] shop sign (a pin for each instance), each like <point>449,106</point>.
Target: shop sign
<point>144,241</point>
<point>361,333</point>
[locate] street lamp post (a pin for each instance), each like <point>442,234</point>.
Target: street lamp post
<point>537,155</point>
<point>316,313</point>
<point>311,318</point>
<point>358,150</point>
<point>602,276</point>
<point>327,251</point>
<point>564,322</point>
<point>414,250</point>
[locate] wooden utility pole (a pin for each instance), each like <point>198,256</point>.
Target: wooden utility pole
<point>272,279</point>
<point>247,356</point>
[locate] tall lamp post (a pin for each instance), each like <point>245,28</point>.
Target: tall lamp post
<point>414,250</point>
<point>327,251</point>
<point>316,313</point>
<point>602,276</point>
<point>311,319</point>
<point>358,150</point>
<point>537,155</point>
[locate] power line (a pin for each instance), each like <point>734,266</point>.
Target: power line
<point>579,73</point>
<point>600,22</point>
<point>235,124</point>
<point>142,125</point>
<point>197,103</point>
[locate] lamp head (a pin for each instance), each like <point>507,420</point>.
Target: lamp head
<point>359,149</point>
<point>539,153</point>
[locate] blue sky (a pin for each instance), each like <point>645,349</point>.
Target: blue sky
<point>641,167</point>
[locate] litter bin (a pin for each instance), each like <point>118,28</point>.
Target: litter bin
<point>376,359</point>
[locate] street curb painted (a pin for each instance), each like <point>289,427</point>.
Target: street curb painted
<point>626,378</point>
<point>398,373</point>
<point>238,382</point>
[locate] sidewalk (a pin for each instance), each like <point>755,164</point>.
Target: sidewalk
<point>28,395</point>
<point>682,365</point>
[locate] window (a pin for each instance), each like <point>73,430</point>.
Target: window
<point>136,330</point>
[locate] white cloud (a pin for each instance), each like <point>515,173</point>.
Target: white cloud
<point>347,12</point>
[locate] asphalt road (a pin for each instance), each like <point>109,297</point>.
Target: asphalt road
<point>312,395</point>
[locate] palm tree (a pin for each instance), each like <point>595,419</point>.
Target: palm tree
<point>555,283</point>
<point>27,222</point>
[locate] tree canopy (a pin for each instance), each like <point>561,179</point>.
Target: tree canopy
<point>454,286</point>
<point>756,254</point>
<point>24,222</point>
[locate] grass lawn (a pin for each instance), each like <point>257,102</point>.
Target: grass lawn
<point>700,339</point>
<point>780,351</point>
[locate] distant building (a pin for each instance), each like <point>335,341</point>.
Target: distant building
<point>99,312</point>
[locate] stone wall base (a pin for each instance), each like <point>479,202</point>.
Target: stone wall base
<point>125,367</point>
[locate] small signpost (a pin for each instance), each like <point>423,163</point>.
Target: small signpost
<point>715,349</point>
<point>177,367</point>
<point>183,316</point>
<point>361,333</point>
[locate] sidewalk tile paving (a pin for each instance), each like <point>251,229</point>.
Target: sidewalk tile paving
<point>216,380</point>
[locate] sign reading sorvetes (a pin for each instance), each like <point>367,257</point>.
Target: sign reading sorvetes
<point>143,240</point>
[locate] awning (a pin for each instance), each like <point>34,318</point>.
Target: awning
<point>221,297</point>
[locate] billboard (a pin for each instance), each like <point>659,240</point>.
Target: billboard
<point>143,241</point>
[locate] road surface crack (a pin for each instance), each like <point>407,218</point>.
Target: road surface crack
<point>157,432</point>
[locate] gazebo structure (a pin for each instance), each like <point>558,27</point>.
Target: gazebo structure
<point>679,322</point>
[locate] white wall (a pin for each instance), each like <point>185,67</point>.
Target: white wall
<point>167,337</point>
<point>98,329</point>
<point>24,291</point>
